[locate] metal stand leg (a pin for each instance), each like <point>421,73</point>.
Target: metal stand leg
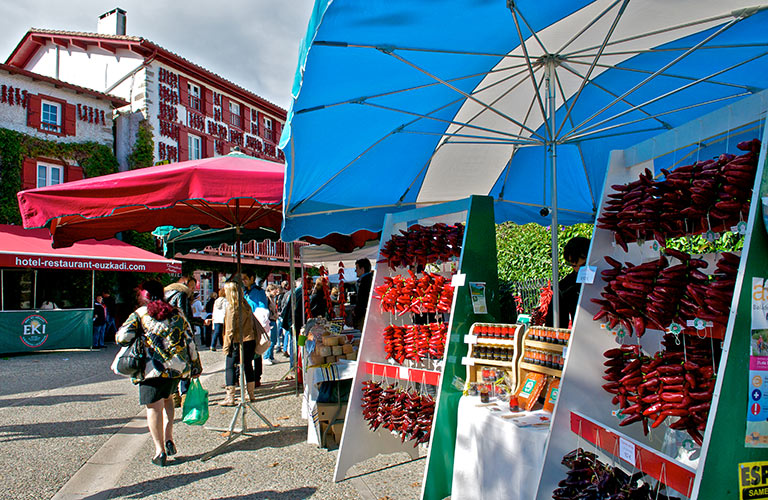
<point>232,432</point>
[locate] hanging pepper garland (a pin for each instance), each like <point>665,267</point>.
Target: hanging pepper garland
<point>342,295</point>
<point>306,291</point>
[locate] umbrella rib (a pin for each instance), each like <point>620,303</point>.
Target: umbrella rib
<point>390,48</point>
<point>588,25</point>
<point>578,145</point>
<point>654,75</point>
<point>514,10</point>
<point>635,52</point>
<point>653,33</point>
<point>456,89</point>
<point>538,205</point>
<point>584,81</point>
<point>671,92</point>
<point>613,94</point>
<point>503,95</point>
<point>451,122</point>
<point>531,74</point>
<point>409,89</point>
<point>470,136</point>
<point>648,72</point>
<point>212,213</point>
<point>589,135</point>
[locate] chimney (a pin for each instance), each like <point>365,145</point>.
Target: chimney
<point>112,23</point>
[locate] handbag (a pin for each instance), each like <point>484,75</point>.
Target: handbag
<point>195,409</point>
<point>130,360</point>
<point>262,338</point>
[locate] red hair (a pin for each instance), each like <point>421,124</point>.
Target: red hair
<point>160,309</point>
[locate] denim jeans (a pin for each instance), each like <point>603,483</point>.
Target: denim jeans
<point>216,338</point>
<point>288,346</point>
<point>270,353</point>
<point>98,335</point>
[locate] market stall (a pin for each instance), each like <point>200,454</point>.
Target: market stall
<point>24,324</point>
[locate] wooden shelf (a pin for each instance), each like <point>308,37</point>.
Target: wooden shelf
<point>545,345</point>
<point>498,342</point>
<point>541,369</point>
<point>671,472</point>
<point>493,362</point>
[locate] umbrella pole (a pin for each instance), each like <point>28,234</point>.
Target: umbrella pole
<point>293,340</point>
<point>232,433</point>
<point>552,153</point>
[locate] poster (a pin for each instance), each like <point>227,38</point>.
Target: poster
<point>757,406</point>
<point>477,293</point>
<point>753,480</point>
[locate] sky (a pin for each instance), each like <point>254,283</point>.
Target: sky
<point>253,43</point>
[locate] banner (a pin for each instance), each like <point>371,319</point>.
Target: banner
<point>757,406</point>
<point>33,330</point>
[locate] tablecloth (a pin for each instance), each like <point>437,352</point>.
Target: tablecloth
<point>494,457</point>
<point>342,369</point>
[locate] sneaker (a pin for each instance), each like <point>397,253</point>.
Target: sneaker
<point>286,355</point>
<point>213,349</point>
<point>269,362</point>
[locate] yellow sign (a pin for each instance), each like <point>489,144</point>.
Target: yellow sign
<point>753,480</point>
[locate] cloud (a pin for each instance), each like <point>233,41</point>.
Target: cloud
<point>253,43</point>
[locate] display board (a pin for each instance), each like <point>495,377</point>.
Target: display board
<point>669,417</point>
<point>421,353</point>
<point>38,330</point>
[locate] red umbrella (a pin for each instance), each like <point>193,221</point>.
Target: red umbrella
<point>228,191</point>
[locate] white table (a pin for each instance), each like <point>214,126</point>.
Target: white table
<point>494,457</point>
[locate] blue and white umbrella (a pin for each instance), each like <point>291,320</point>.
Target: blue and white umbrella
<point>402,103</point>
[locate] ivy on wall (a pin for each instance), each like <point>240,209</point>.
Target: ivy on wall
<point>95,159</point>
<point>143,152</point>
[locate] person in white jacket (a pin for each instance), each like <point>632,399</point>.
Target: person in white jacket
<point>217,319</point>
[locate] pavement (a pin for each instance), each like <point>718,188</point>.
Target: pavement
<point>70,429</point>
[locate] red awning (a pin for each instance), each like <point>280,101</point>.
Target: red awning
<point>21,247</point>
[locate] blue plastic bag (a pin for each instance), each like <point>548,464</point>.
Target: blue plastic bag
<point>195,410</point>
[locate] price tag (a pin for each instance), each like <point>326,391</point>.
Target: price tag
<point>742,228</point>
<point>403,374</point>
<point>458,280</point>
<point>711,236</point>
<point>627,451</point>
<point>470,339</point>
<point>586,274</point>
<point>467,361</point>
<point>699,323</point>
<point>655,246</point>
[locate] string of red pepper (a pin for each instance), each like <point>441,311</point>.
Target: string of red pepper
<point>406,413</point>
<point>430,293</point>
<point>415,342</point>
<point>707,195</point>
<point>342,294</point>
<point>421,245</point>
<point>306,291</point>
<point>676,382</point>
<point>654,294</point>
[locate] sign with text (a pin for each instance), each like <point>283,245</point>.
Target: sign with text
<point>757,402</point>
<point>33,330</point>
<point>753,480</point>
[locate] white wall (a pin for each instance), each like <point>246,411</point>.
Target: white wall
<point>15,117</point>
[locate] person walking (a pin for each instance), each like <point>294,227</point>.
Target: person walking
<point>269,355</point>
<point>256,297</point>
<point>99,323</point>
<point>364,283</point>
<point>178,295</point>
<point>217,319</point>
<point>171,355</point>
<point>240,326</point>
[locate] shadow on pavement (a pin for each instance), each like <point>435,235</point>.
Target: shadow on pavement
<point>54,400</point>
<point>160,485</point>
<point>279,438</point>
<point>298,493</point>
<point>73,428</point>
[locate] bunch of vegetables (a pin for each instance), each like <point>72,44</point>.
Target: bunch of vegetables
<point>405,413</point>
<point>422,245</point>
<point>655,294</point>
<point>674,383</point>
<point>415,342</point>
<point>430,293</point>
<point>707,195</point>
<point>590,479</point>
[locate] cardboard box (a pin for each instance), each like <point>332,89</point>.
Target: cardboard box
<point>351,356</point>
<point>337,350</point>
<point>347,348</point>
<point>326,411</point>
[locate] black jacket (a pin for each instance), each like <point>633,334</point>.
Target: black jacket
<point>298,318</point>
<point>364,284</point>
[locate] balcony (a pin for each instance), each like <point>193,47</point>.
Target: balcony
<point>265,253</point>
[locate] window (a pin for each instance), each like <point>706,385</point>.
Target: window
<point>268,129</point>
<point>50,118</point>
<point>234,114</point>
<point>195,147</point>
<point>48,175</point>
<point>194,96</point>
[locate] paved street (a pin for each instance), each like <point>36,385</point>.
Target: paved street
<point>71,429</point>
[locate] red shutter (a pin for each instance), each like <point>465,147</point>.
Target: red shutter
<point>245,117</point>
<point>209,148</point>
<point>70,119</point>
<point>226,148</point>
<point>34,111</point>
<point>29,171</point>
<point>183,145</point>
<point>207,101</point>
<point>183,91</point>
<point>73,173</point>
<point>225,110</point>
<point>277,130</point>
